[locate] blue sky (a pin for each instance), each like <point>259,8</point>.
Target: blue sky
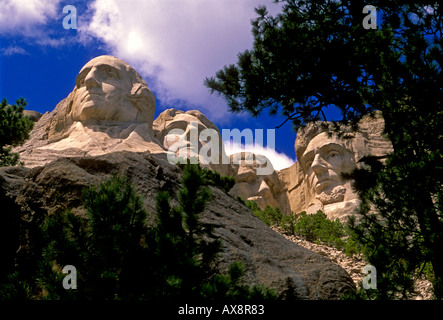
<point>173,44</point>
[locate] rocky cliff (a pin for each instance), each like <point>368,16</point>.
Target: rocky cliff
<point>106,127</point>
<point>314,182</point>
<point>29,194</point>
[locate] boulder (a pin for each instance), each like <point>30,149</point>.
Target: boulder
<point>33,115</point>
<point>269,258</point>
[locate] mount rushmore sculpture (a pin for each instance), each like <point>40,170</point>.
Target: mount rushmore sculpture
<point>111,108</point>
<point>315,182</point>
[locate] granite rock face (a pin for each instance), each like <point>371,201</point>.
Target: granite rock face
<point>112,109</point>
<point>269,258</point>
<point>190,135</point>
<point>175,129</point>
<point>264,189</point>
<point>106,126</point>
<point>33,115</point>
<point>314,181</point>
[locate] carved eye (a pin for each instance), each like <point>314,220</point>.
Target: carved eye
<point>333,154</point>
<point>308,163</point>
<point>170,139</point>
<point>111,74</point>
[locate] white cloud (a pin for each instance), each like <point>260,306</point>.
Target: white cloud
<point>279,160</point>
<point>176,44</point>
<point>25,17</point>
<point>12,50</point>
<point>35,21</point>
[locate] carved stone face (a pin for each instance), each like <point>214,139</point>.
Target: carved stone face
<point>263,189</point>
<point>109,89</point>
<point>323,160</point>
<point>189,135</point>
<point>182,122</point>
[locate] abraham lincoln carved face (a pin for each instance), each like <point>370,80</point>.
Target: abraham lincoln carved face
<point>323,158</point>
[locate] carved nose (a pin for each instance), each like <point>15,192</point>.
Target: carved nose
<point>318,165</point>
<point>264,189</point>
<point>91,80</point>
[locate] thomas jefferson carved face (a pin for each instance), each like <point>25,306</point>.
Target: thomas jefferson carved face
<point>109,89</point>
<point>182,122</point>
<point>189,135</point>
<point>323,160</point>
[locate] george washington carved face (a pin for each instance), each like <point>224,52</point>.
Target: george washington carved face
<point>109,89</point>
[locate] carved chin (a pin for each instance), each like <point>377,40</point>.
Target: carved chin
<point>336,195</point>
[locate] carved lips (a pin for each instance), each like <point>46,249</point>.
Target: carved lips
<point>88,95</point>
<point>323,184</point>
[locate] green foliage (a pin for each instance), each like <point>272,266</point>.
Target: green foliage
<point>288,223</point>
<point>210,177</point>
<point>401,205</point>
<point>270,216</point>
<point>14,130</point>
<point>229,287</point>
<point>312,227</point>
<point>317,226</point>
<point>108,246</point>
<point>402,236</point>
<point>186,246</point>
<point>187,249</point>
<point>290,67</point>
<point>395,68</point>
<point>14,288</point>
<point>214,178</point>
<point>119,257</point>
<point>427,270</point>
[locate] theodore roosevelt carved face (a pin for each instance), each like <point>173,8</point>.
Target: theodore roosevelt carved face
<point>263,189</point>
<point>108,88</point>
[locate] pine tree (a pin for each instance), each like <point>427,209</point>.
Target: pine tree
<point>187,247</point>
<point>14,130</point>
<point>117,256</point>
<point>108,247</point>
<point>317,54</point>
